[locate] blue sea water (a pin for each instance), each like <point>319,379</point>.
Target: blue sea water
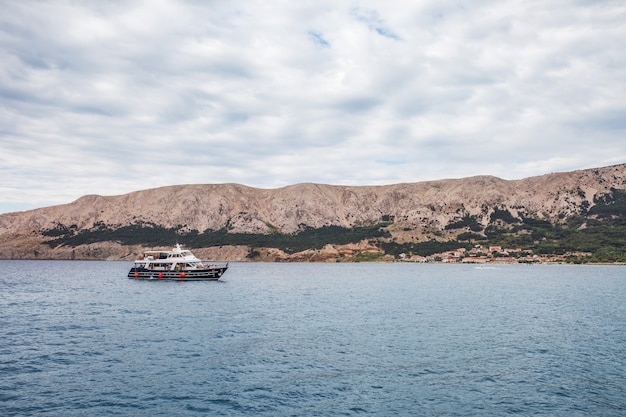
<point>80,339</point>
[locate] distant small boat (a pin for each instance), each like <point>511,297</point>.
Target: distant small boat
<point>175,265</point>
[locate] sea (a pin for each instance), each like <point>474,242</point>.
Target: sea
<point>78,338</point>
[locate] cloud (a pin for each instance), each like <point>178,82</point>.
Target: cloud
<point>113,97</point>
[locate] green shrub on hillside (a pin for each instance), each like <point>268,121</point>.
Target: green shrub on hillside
<point>148,234</point>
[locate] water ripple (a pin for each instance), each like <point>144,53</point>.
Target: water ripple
<point>311,339</point>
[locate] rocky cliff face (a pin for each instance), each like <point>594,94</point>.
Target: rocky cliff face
<point>415,209</point>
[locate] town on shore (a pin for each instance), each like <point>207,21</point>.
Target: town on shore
<point>491,254</point>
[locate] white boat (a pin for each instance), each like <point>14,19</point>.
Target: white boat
<point>177,264</point>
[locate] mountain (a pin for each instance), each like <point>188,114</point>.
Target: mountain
<point>246,221</point>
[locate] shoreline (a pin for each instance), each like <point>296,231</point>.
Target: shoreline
<point>475,264</point>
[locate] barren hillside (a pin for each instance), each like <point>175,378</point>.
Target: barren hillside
<point>413,210</point>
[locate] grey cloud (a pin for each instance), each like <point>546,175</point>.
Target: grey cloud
<point>325,92</point>
<point>358,104</point>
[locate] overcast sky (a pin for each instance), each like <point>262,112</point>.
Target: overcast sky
<point>109,97</point>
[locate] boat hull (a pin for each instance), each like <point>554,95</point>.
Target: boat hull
<point>210,274</point>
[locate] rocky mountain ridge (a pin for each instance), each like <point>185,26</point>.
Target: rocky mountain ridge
<point>412,211</point>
